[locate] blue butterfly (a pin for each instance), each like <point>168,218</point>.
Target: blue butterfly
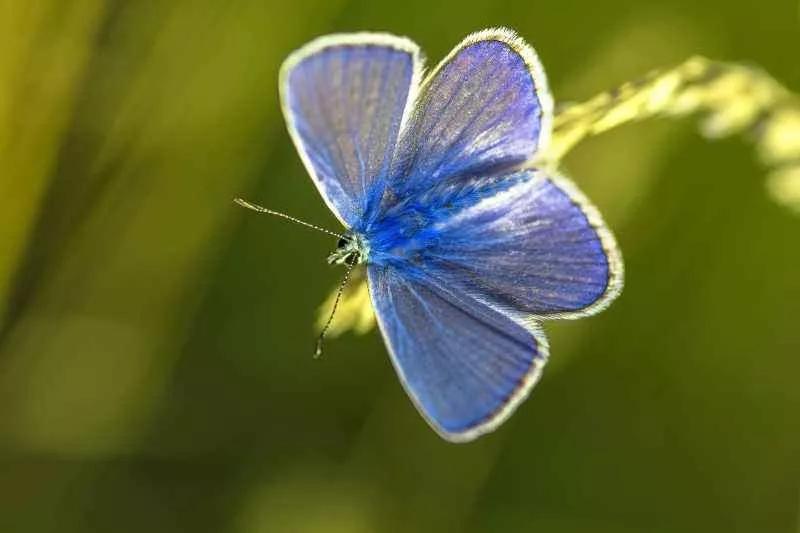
<point>467,246</point>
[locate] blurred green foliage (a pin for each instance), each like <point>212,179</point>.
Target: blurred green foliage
<point>155,341</point>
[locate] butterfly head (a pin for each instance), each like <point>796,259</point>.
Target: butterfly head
<point>351,250</point>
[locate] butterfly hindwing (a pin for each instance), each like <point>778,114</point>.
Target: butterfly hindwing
<point>485,107</point>
<point>534,249</point>
<point>344,98</point>
<point>465,365</point>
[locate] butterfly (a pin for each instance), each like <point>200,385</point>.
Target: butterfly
<point>467,245</point>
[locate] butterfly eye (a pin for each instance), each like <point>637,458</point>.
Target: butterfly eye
<point>342,242</point>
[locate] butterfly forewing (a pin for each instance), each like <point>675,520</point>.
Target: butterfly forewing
<point>464,364</point>
<point>344,98</point>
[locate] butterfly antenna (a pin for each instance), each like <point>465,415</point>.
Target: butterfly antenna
<point>342,285</point>
<point>259,209</point>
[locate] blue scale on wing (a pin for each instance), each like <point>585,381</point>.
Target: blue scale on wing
<point>346,103</point>
<point>519,242</point>
<point>460,360</point>
<point>479,114</point>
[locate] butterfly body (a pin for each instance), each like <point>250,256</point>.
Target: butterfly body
<point>467,246</point>
<point>351,250</point>
<point>408,229</point>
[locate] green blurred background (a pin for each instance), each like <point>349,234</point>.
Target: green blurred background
<point>156,340</point>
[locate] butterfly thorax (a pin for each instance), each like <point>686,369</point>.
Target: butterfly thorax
<point>397,237</point>
<point>411,228</point>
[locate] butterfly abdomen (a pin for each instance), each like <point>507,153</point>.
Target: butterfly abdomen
<point>409,229</point>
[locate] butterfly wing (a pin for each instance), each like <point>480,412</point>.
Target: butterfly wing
<point>485,107</point>
<point>534,249</point>
<point>344,98</point>
<point>465,365</point>
<point>460,320</point>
